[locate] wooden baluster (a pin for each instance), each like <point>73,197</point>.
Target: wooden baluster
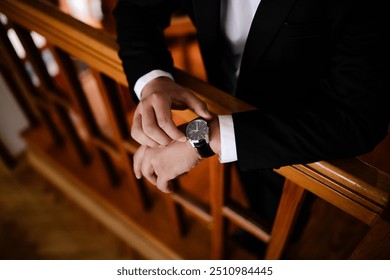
<point>288,209</point>
<point>219,189</point>
<point>24,103</point>
<point>49,88</point>
<point>176,210</point>
<point>76,92</point>
<point>82,106</point>
<point>223,210</point>
<point>6,156</point>
<point>110,167</point>
<point>28,112</point>
<point>117,119</point>
<point>28,90</point>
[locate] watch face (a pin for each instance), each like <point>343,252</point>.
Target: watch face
<point>197,130</point>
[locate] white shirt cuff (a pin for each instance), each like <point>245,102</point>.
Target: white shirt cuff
<point>228,140</point>
<point>141,82</point>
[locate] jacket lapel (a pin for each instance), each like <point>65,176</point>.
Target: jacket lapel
<point>207,16</point>
<point>269,17</point>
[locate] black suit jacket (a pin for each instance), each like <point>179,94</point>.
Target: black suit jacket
<point>313,68</point>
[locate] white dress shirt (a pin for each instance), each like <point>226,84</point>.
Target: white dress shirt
<point>236,19</point>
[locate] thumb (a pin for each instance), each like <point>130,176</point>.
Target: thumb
<point>198,106</point>
<point>162,185</point>
<point>204,113</point>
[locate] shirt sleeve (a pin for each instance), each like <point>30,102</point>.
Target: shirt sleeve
<point>141,82</point>
<point>228,140</point>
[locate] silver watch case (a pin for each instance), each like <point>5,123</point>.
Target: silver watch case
<point>205,137</point>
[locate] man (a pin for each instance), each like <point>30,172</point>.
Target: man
<point>313,68</point>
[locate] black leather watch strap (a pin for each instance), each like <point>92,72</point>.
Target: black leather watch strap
<point>205,151</point>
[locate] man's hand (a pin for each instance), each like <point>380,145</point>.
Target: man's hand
<point>152,124</point>
<point>159,165</point>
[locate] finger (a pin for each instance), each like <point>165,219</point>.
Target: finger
<point>162,182</point>
<point>152,129</point>
<point>163,185</point>
<point>165,122</point>
<point>151,177</point>
<point>148,171</point>
<point>198,106</point>
<point>138,134</point>
<point>137,162</point>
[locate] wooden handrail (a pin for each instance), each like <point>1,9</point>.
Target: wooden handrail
<point>352,185</point>
<point>91,45</point>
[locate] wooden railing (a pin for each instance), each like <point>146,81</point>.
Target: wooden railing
<point>351,185</point>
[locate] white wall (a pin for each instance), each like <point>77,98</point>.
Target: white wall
<point>12,121</point>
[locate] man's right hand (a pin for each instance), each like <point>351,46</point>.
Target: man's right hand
<point>152,124</point>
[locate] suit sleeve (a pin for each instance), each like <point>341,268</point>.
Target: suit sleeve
<point>140,28</point>
<point>346,116</point>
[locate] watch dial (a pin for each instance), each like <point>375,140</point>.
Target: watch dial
<point>197,130</point>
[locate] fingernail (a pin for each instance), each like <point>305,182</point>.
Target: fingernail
<point>183,139</point>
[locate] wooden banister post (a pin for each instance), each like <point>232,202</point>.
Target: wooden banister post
<point>376,243</point>
<point>289,205</point>
<point>52,94</point>
<point>218,183</point>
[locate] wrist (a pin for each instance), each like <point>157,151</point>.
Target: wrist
<point>215,137</point>
<point>192,151</point>
<point>150,81</point>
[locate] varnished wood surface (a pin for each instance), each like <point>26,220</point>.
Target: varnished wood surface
<point>152,228</point>
<point>38,222</point>
<point>351,185</point>
<point>78,37</point>
<point>288,210</point>
<point>90,45</point>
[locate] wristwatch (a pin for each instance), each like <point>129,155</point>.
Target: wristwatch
<point>197,133</point>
